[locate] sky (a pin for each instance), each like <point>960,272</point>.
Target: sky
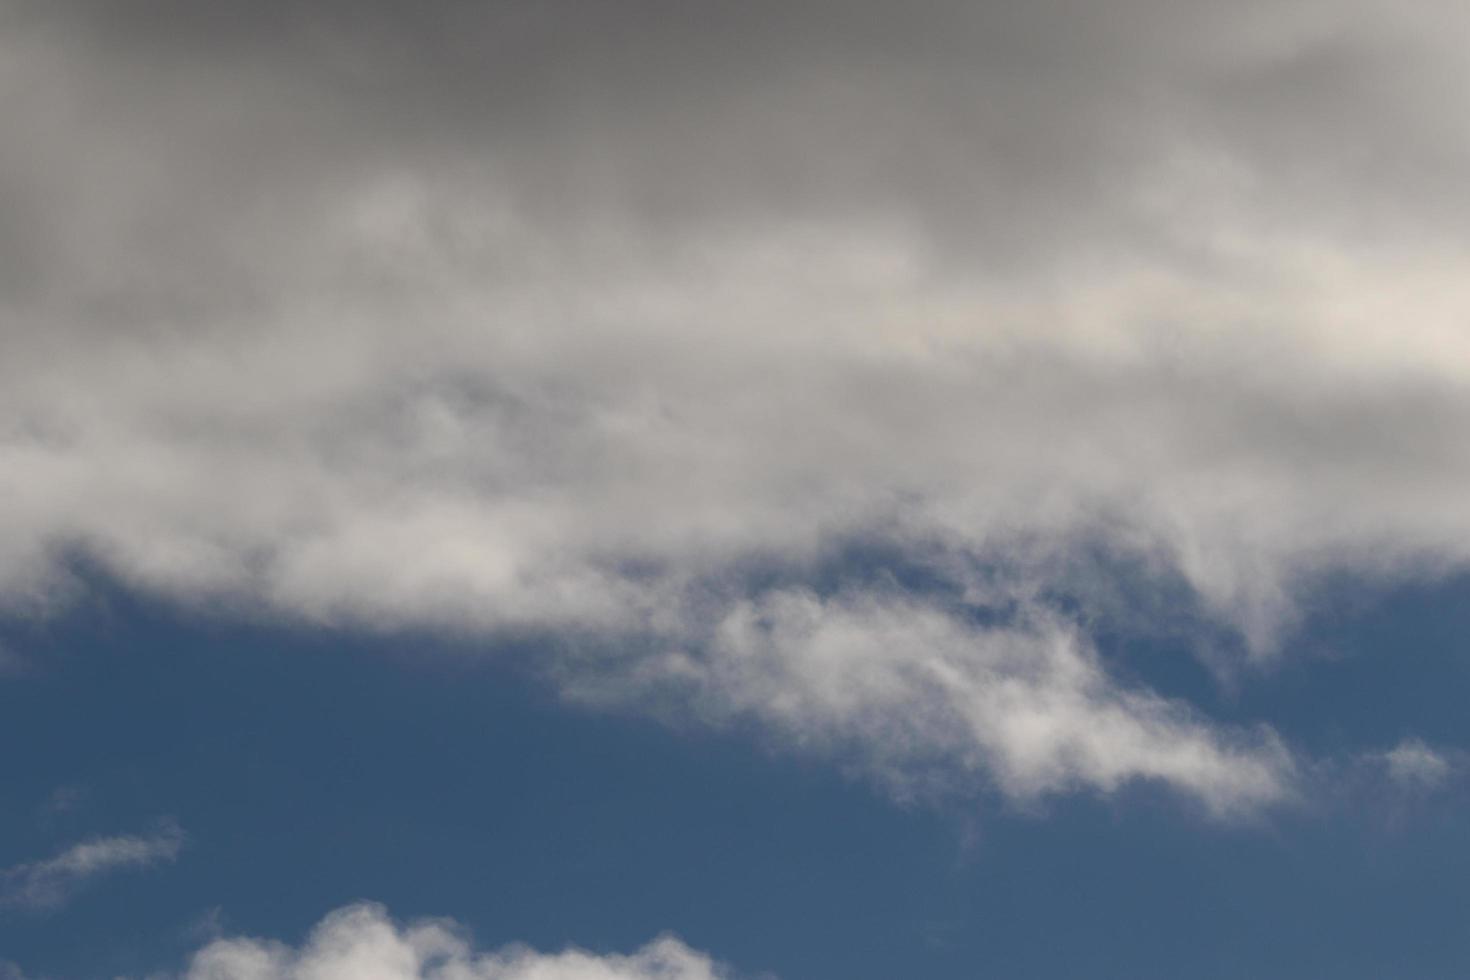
<point>668,490</point>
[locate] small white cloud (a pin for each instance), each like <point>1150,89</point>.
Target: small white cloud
<point>50,883</point>
<point>1413,763</point>
<point>362,941</point>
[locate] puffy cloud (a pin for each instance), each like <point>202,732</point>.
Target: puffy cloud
<point>592,325</point>
<point>361,941</point>
<point>51,883</point>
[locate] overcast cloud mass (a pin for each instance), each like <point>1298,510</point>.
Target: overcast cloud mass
<point>624,327</point>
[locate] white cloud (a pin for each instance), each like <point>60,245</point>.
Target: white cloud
<point>360,941</point>
<point>1412,763</point>
<point>52,882</point>
<point>598,354</point>
<point>919,694</point>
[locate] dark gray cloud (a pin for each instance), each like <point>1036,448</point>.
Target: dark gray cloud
<point>1009,135</point>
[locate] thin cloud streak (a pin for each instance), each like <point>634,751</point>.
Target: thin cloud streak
<point>49,884</point>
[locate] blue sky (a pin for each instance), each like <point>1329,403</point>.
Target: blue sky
<point>641,490</point>
<point>310,771</point>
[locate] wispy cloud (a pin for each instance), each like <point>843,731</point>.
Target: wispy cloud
<point>924,697</point>
<point>51,883</point>
<point>1413,764</point>
<point>63,799</point>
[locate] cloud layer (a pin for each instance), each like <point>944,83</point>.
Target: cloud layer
<point>361,941</point>
<point>626,331</point>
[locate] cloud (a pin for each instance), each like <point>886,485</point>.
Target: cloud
<point>590,327</point>
<point>361,941</point>
<point>919,694</point>
<point>51,883</point>
<point>1415,765</point>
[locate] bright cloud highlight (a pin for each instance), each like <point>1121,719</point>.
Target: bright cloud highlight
<point>361,941</point>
